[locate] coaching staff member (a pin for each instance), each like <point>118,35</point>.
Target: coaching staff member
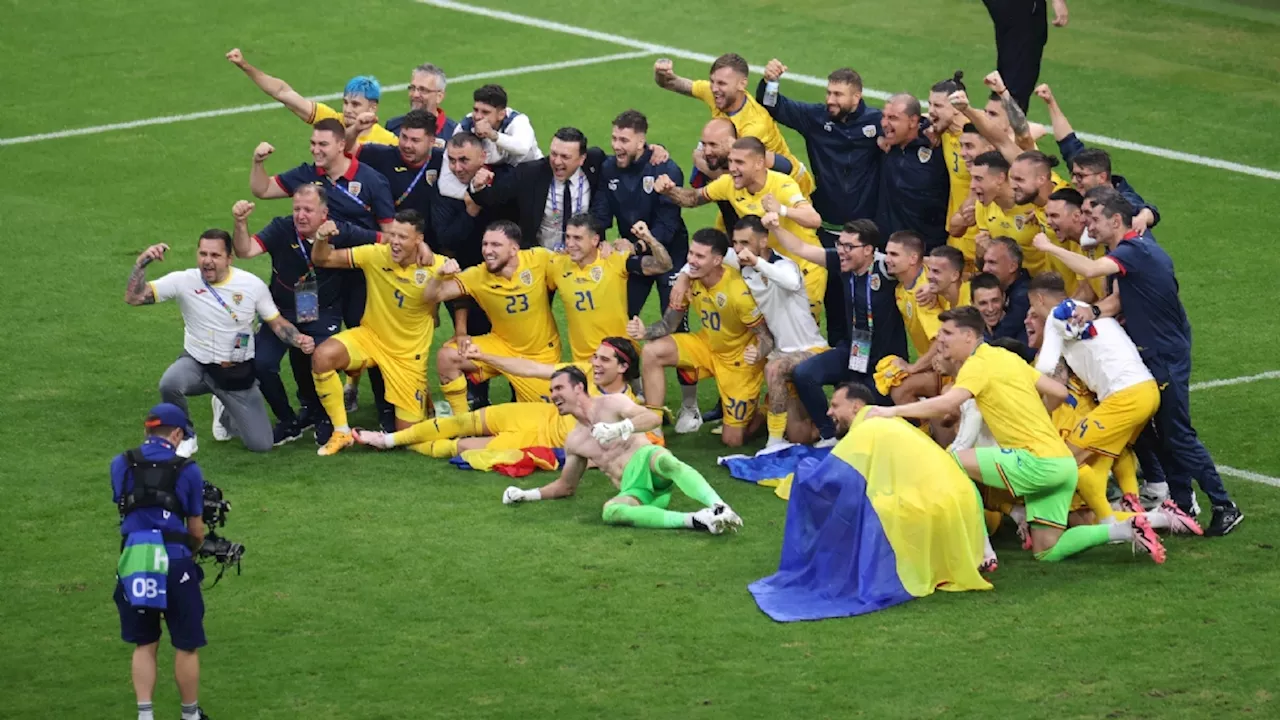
<point>1022,29</point>
<point>161,501</point>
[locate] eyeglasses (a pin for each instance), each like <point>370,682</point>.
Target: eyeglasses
<point>850,246</point>
<point>1083,175</point>
<point>421,89</point>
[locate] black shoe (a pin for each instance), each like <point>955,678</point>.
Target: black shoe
<point>324,431</point>
<point>478,395</point>
<point>1225,519</point>
<point>306,418</point>
<point>713,415</point>
<point>285,432</point>
<point>387,420</point>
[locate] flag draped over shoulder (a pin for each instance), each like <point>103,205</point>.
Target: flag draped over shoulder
<point>887,517</point>
<point>774,468</point>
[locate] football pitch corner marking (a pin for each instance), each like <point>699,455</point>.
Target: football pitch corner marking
<point>170,119</point>
<point>656,48</point>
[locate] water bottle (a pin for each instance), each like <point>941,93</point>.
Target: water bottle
<point>771,93</point>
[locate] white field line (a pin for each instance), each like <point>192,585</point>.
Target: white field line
<point>658,49</point>
<point>169,119</point>
<point>1208,384</point>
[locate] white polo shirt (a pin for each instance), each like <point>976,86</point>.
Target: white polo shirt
<point>1100,353</point>
<point>778,288</point>
<point>516,144</point>
<point>218,318</point>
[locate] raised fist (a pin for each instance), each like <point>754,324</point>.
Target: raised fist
<point>241,210</point>
<point>261,152</point>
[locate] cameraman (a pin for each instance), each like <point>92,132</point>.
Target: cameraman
<point>161,501</point>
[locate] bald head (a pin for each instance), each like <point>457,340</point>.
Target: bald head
<point>718,137</point>
<point>901,119</point>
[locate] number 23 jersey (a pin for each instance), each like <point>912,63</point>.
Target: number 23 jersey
<point>520,308</point>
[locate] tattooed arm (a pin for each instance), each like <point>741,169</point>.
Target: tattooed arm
<point>138,290</point>
<point>670,321</point>
<point>659,261</point>
<point>764,339</point>
<point>289,334</point>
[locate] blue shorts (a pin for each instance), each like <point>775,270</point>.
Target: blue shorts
<point>184,616</point>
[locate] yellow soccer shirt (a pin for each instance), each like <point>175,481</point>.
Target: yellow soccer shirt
<point>752,120</point>
<point>394,308</point>
<point>1004,386</point>
<point>377,134</point>
<point>1067,416</point>
<point>965,297</point>
<point>1022,223</point>
<point>787,192</point>
<point>595,300</point>
<point>958,171</point>
<point>520,308</point>
<point>921,322</point>
<point>728,313</point>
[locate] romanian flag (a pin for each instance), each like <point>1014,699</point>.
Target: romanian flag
<point>887,517</point>
<point>512,463</point>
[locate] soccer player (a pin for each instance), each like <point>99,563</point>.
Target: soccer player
<point>731,323</point>
<point>753,189</point>
<point>904,259</point>
<point>512,287</point>
<point>593,285</point>
<point>399,322</point>
<point>945,270</point>
<point>507,135</point>
<point>711,160</point>
<point>1147,294</point>
<point>412,167</point>
<point>1032,461</point>
<point>988,297</point>
<point>949,126</point>
<point>1004,261</point>
<point>307,296</point>
<point>1101,354</point>
<point>1064,213</point>
<point>517,425</point>
<point>914,186</point>
<point>999,213</point>
<point>426,93</point>
<point>840,136</point>
<point>609,436</point>
<point>725,93</point>
<point>361,94</point>
<point>218,305</point>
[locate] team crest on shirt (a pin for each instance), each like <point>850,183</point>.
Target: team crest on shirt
<point>526,277</point>
<point>439,142</point>
<point>647,184</point>
<point>1019,221</point>
<point>419,277</point>
<point>597,273</point>
<point>613,184</point>
<point>354,186</point>
<point>237,298</point>
<point>869,131</point>
<point>721,300</point>
<point>924,154</point>
<point>874,281</point>
<point>430,176</point>
<point>828,125</point>
<point>911,310</point>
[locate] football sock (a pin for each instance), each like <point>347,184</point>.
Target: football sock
<point>1081,538</point>
<point>455,393</point>
<point>145,712</point>
<point>468,424</point>
<point>1126,471</point>
<point>689,396</point>
<point>443,449</point>
<point>329,389</point>
<point>1159,520</point>
<point>690,481</point>
<point>777,423</point>
<point>992,519</point>
<point>1092,487</point>
<point>191,711</point>
<point>645,516</point>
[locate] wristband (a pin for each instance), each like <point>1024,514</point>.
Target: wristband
<point>1097,312</point>
<point>782,211</point>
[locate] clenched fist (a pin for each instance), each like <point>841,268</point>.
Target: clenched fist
<point>261,152</point>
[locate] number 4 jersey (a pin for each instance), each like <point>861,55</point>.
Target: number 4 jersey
<point>395,309</point>
<point>520,308</point>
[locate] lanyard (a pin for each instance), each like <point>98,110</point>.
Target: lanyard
<point>853,289</point>
<point>347,192</point>
<point>421,171</point>
<point>221,302</point>
<point>302,250</point>
<point>577,202</point>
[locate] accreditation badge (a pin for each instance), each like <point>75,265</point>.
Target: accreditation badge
<point>860,351</point>
<point>307,300</point>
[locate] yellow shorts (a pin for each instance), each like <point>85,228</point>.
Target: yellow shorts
<point>815,286</point>
<point>739,383</point>
<point>527,390</point>
<point>515,426</point>
<point>406,378</point>
<point>1117,421</point>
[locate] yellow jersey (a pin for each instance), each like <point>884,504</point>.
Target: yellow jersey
<point>784,188</point>
<point>965,297</point>
<point>520,308</point>
<point>921,322</point>
<point>394,307</point>
<point>1004,386</point>
<point>377,134</point>
<point>752,120</point>
<point>728,313</point>
<point>1022,223</point>
<point>1067,416</point>
<point>958,171</point>
<point>595,300</point>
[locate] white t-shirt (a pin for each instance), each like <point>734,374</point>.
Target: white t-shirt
<point>515,145</point>
<point>778,288</point>
<point>1100,353</point>
<point>214,333</point>
<point>551,233</point>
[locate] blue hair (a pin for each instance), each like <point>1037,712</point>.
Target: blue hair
<point>366,86</point>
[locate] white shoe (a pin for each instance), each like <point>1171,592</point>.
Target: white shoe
<point>188,447</point>
<point>718,518</point>
<point>373,438</point>
<point>512,495</point>
<point>826,443</point>
<point>689,420</point>
<point>443,409</point>
<point>220,432</point>
<point>1152,496</point>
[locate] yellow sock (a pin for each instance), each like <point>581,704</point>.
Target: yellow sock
<point>467,424</point>
<point>992,519</point>
<point>1126,470</point>
<point>1092,487</point>
<point>444,449</point>
<point>1122,516</point>
<point>777,423</point>
<point>329,388</point>
<point>455,393</point>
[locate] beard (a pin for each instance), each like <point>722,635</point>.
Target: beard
<point>716,163</point>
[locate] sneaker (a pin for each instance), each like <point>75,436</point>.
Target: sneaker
<point>1131,503</point>
<point>689,420</point>
<point>220,432</point>
<point>188,447</point>
<point>351,397</point>
<point>713,415</point>
<point>989,565</point>
<point>372,438</point>
<point>306,418</point>
<point>1225,519</point>
<point>338,442</point>
<point>1152,494</point>
<point>718,429</point>
<point>717,518</point>
<point>443,409</point>
<point>1146,540</point>
<point>1180,523</point>
<point>324,431</point>
<point>826,443</point>
<point>285,432</point>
